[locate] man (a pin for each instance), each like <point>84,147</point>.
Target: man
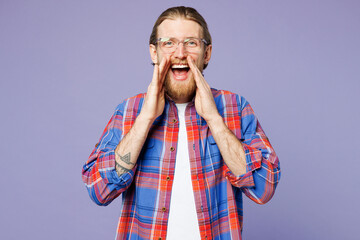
<point>182,154</point>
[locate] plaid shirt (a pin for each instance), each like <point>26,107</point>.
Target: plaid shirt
<point>146,189</point>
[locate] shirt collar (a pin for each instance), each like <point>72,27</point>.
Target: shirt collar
<point>169,99</point>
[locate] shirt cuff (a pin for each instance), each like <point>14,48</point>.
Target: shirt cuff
<point>253,161</point>
<point>109,174</point>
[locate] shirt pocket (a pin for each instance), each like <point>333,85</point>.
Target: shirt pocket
<point>147,178</point>
<point>212,148</point>
<point>149,150</point>
<point>149,159</point>
<point>212,161</point>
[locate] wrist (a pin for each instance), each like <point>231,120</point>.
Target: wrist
<point>144,120</point>
<point>215,122</point>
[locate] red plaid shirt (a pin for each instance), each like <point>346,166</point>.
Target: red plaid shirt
<point>146,190</point>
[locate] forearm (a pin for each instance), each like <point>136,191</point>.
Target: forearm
<point>230,147</point>
<point>129,148</point>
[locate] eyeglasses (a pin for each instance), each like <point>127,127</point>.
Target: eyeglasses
<point>191,45</point>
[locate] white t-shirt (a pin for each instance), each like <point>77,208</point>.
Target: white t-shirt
<point>183,222</point>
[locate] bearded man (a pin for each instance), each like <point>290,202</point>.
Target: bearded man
<point>182,154</point>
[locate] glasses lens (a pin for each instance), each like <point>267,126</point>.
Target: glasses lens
<point>169,45</point>
<point>192,44</point>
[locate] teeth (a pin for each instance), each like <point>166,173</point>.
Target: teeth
<point>179,66</point>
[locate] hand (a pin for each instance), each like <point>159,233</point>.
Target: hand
<point>204,100</point>
<point>155,99</point>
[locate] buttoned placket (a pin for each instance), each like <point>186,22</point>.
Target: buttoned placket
<point>193,119</point>
<point>172,121</point>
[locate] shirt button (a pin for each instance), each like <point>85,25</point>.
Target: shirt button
<point>174,120</point>
<point>172,149</point>
<point>168,178</point>
<point>164,209</point>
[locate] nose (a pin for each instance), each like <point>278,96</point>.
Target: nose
<point>180,51</point>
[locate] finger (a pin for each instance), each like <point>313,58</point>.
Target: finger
<point>164,68</point>
<point>167,63</point>
<point>199,79</point>
<point>196,71</point>
<point>158,68</point>
<point>164,64</point>
<point>155,73</point>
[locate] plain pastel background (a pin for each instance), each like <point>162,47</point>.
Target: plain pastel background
<point>65,65</point>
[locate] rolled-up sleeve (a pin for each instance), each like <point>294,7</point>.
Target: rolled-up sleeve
<point>262,164</point>
<point>98,173</point>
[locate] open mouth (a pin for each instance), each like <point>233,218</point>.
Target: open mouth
<point>180,71</point>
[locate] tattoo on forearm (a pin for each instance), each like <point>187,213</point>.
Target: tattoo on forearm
<point>120,169</point>
<point>126,159</point>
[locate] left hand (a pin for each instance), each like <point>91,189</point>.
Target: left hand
<point>204,100</point>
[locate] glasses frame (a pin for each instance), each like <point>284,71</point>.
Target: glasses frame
<point>178,42</point>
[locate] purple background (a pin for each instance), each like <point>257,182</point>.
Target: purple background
<point>65,65</point>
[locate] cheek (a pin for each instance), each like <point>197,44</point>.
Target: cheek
<point>194,57</point>
<point>199,58</point>
<point>200,63</point>
<point>159,57</point>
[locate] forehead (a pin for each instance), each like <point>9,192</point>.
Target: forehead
<point>179,28</point>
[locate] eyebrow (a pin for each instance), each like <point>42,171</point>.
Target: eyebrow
<point>177,38</point>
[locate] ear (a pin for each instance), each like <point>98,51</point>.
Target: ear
<point>207,54</point>
<point>153,53</point>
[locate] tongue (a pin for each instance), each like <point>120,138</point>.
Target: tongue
<point>179,72</point>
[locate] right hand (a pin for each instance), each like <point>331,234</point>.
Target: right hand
<point>154,102</point>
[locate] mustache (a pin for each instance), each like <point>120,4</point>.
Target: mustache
<point>179,62</point>
<point>173,62</point>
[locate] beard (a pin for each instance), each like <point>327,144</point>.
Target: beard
<point>180,90</point>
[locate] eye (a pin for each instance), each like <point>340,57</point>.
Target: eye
<point>168,44</point>
<point>191,43</point>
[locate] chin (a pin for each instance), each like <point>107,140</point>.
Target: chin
<point>180,91</point>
